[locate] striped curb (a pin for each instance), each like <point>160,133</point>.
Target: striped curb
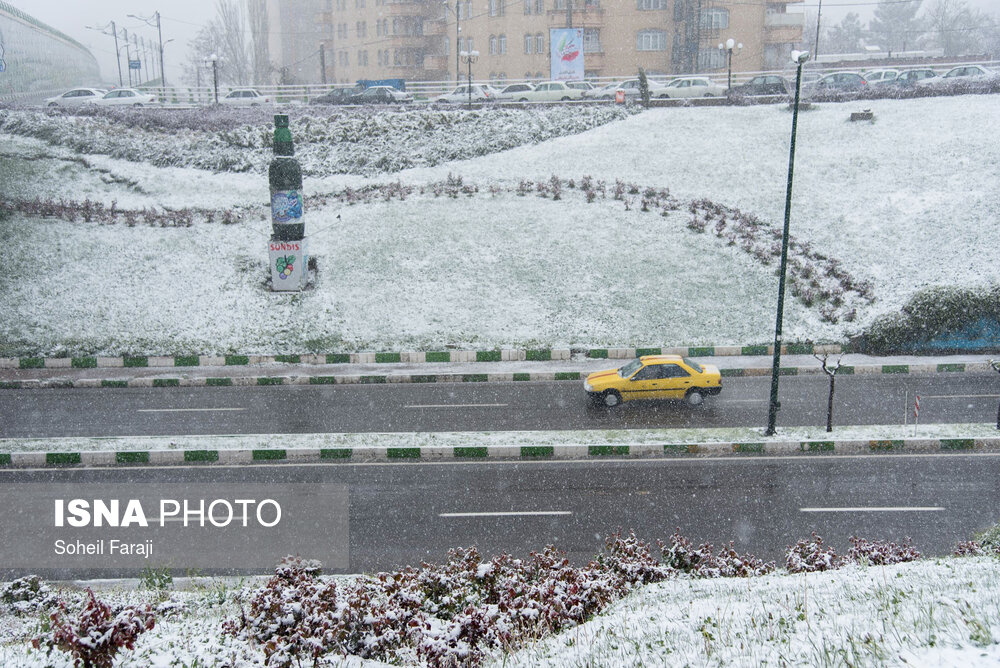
<point>493,452</point>
<point>460,356</point>
<point>538,376</point>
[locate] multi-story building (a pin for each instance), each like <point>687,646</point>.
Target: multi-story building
<point>294,38</point>
<point>419,40</point>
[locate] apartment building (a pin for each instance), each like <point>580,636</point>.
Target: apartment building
<point>420,40</point>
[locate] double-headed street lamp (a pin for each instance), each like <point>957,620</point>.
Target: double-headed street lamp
<point>469,57</point>
<point>799,58</point>
<point>729,46</point>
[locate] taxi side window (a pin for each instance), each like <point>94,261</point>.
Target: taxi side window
<point>673,371</point>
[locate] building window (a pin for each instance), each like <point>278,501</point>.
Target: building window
<point>503,45</point>
<point>493,7</point>
<point>711,59</point>
<point>527,6</point>
<point>651,4</point>
<point>539,43</point>
<point>651,40</point>
<point>715,18</point>
<point>529,44</point>
<point>493,45</point>
<point>591,40</point>
<point>539,6</point>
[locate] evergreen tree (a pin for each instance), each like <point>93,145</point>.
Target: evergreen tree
<point>895,25</point>
<point>643,87</point>
<point>846,36</point>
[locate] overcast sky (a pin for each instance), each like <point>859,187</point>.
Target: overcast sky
<point>181,19</point>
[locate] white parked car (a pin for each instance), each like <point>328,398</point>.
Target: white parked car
<point>480,93</point>
<point>516,92</point>
<point>552,91</point>
<point>581,85</point>
<point>693,87</point>
<point>244,97</point>
<point>880,77</point>
<point>605,92</point>
<point>957,76</point>
<point>124,97</point>
<point>75,98</point>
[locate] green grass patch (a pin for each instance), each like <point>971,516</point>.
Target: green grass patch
<point>471,452</point>
<point>704,351</point>
<point>538,355</point>
<point>373,380</point>
<point>270,381</point>
<point>488,356</point>
<point>237,360</point>
<point>187,360</point>
<point>950,368</point>
<point>800,349</point>
<point>753,350</point>
<point>817,446</point>
<point>438,356</point>
<point>31,363</point>
<point>219,382</point>
<point>598,353</point>
<point>895,368</point>
<point>322,380</point>
<point>4,459</point>
<point>288,359</point>
<point>402,453</point>
<point>84,362</point>
<point>62,458</point>
<point>607,450</point>
<point>269,455</point>
<point>424,378</point>
<point>885,445</point>
<point>166,382</point>
<point>958,443</point>
<point>132,457</point>
<point>136,361</point>
<point>114,383</point>
<point>338,358</point>
<point>537,450</point>
<point>788,371</point>
<point>522,376</point>
<point>474,378</point>
<point>335,453</point>
<point>10,384</point>
<point>732,373</point>
<point>678,448</point>
<point>567,375</point>
<point>748,447</point>
<point>639,352</point>
<point>201,455</point>
<point>845,370</point>
<point>387,358</point>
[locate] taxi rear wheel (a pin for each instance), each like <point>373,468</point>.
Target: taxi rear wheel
<point>611,399</point>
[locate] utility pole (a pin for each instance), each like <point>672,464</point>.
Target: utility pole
<point>322,63</point>
<point>138,55</point>
<point>819,14</point>
<point>128,57</point>
<point>118,57</point>
<point>458,43</point>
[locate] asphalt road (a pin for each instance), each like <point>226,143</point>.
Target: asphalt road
<point>401,514</point>
<point>859,400</point>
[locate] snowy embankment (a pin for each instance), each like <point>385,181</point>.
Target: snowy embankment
<point>502,263</point>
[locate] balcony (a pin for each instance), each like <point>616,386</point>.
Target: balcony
<point>780,20</point>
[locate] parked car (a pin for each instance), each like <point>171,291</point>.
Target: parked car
<point>380,95</point>
<point>693,87</point>
<point>581,85</point>
<point>605,92</point>
<point>123,97</point>
<point>835,85</point>
<point>961,78</point>
<point>909,78</point>
<point>766,84</point>
<point>515,92</point>
<point>632,91</point>
<point>880,77</point>
<point>245,97</point>
<point>551,91</point>
<point>335,96</point>
<point>75,98</point>
<point>654,377</point>
<point>480,93</point>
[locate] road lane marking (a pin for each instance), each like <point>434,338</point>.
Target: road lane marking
<point>885,509</point>
<point>455,405</point>
<point>960,396</point>
<point>522,513</point>
<point>185,410</point>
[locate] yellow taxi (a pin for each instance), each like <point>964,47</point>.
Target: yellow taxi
<point>655,377</point>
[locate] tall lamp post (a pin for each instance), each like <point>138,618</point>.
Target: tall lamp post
<point>470,57</point>
<point>799,58</point>
<point>729,46</point>
<point>214,61</point>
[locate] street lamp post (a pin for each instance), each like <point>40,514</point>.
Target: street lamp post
<point>214,60</point>
<point>469,57</point>
<point>799,58</point>
<point>729,46</point>
<point>114,33</point>
<point>159,37</point>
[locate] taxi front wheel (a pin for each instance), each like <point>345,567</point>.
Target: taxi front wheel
<point>694,398</point>
<point>611,399</point>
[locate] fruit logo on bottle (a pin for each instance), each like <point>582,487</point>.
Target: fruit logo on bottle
<point>568,50</point>
<point>286,205</point>
<point>285,266</point>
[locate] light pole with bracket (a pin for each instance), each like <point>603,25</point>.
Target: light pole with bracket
<point>729,46</point>
<point>469,57</point>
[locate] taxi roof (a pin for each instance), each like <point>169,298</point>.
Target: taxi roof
<point>660,359</point>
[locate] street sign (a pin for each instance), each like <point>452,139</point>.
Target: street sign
<point>135,64</point>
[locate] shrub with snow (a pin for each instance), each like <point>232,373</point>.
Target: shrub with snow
<point>881,552</point>
<point>808,556</point>
<point>27,595</point>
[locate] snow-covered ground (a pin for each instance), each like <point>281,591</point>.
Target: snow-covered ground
<point>943,612</point>
<point>906,202</point>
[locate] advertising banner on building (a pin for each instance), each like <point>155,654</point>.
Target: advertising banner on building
<point>566,53</point>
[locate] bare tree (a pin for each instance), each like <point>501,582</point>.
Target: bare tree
<point>237,34</point>
<point>958,29</point>
<point>257,19</point>
<point>831,371</point>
